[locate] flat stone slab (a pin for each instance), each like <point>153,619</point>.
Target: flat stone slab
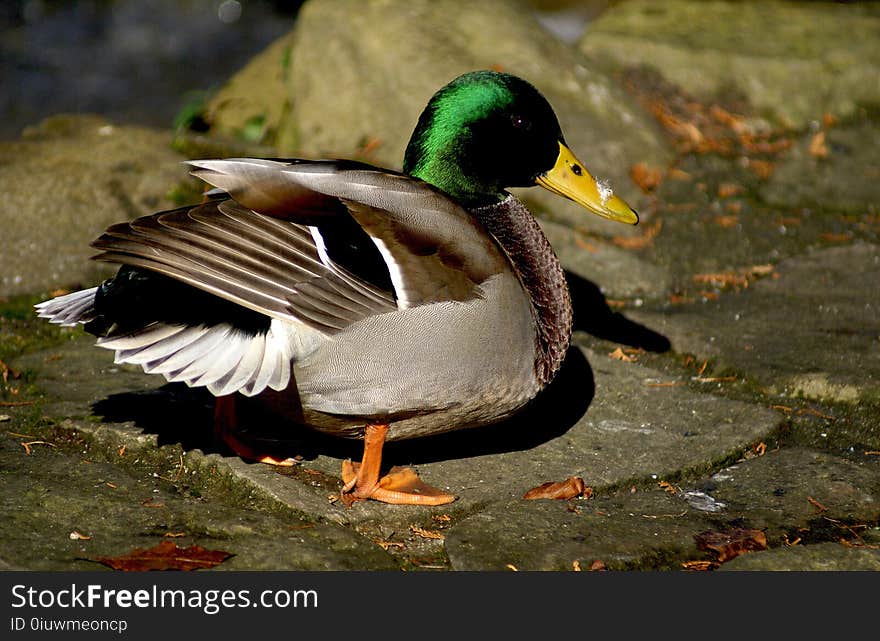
<point>812,332</point>
<point>657,527</point>
<point>65,181</point>
<point>832,557</point>
<point>61,510</point>
<point>798,488</point>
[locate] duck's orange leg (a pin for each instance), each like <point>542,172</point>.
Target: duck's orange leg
<point>401,486</point>
<point>225,427</point>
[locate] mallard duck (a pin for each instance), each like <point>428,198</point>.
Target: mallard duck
<point>357,300</point>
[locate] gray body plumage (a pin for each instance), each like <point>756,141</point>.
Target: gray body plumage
<point>478,322</point>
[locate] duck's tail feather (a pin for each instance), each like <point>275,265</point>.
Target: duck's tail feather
<point>70,309</point>
<point>220,357</point>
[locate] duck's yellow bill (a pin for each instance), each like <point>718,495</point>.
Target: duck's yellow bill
<point>571,179</point>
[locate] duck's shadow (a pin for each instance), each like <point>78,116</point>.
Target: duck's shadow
<point>178,414</point>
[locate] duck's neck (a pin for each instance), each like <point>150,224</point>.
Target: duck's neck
<point>541,275</point>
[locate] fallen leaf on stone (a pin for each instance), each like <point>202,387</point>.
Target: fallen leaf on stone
<point>619,355</point>
<point>727,222</point>
<point>645,177</point>
<point>726,190</point>
<point>723,279</point>
<point>731,543</point>
<point>699,566</point>
<point>816,504</point>
<point>568,489</point>
<point>668,487</point>
<point>641,241</point>
<point>817,147</point>
<point>7,372</point>
<point>763,169</point>
<point>597,566</point>
<point>426,534</point>
<point>836,238</point>
<point>77,536</point>
<point>386,545</point>
<point>166,556</point>
<point>734,207</point>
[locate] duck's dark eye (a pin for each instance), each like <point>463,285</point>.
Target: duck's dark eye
<point>577,170</point>
<point>519,122</point>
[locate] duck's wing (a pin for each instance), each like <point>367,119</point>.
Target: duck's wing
<point>271,266</point>
<point>433,248</point>
<point>264,250</point>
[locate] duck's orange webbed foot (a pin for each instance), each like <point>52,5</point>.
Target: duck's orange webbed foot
<point>401,486</point>
<point>225,426</point>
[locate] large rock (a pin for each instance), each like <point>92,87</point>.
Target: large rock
<point>64,182</point>
<point>793,61</point>
<point>360,74</point>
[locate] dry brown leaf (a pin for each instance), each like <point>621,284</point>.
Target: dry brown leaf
<point>727,222</point>
<point>386,545</point>
<point>817,147</point>
<point>166,556</point>
<point>619,355</point>
<point>675,173</point>
<point>723,279</point>
<point>597,566</point>
<point>699,566</point>
<point>641,241</point>
<point>731,543</point>
<point>78,536</point>
<point>426,534</point>
<point>726,190</point>
<point>763,169</point>
<point>646,178</point>
<point>734,206</point>
<point>836,238</point>
<point>570,488</point>
<point>668,487</point>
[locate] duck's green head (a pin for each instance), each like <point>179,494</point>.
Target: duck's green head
<point>487,131</point>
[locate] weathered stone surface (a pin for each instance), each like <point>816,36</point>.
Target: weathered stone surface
<point>787,490</point>
<point>846,179</point>
<point>64,182</point>
<point>644,529</point>
<point>254,103</point>
<point>792,61</point>
<point>49,496</point>
<point>832,557</point>
<point>618,272</point>
<point>812,332</point>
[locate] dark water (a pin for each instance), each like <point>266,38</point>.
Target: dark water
<point>134,62</point>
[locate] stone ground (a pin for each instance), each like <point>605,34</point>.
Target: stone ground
<point>724,378</point>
